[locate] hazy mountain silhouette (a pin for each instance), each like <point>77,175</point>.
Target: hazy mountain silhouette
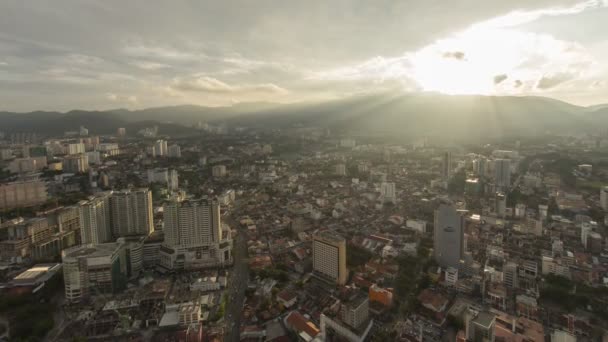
<point>411,114</point>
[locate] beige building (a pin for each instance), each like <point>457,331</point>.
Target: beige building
<point>77,163</point>
<point>95,220</point>
<point>22,194</point>
<point>329,257</point>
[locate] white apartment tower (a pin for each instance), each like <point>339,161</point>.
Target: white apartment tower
<point>132,212</point>
<point>604,198</point>
<point>388,192</point>
<point>95,225</point>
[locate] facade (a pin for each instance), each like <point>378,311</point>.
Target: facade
<point>22,194</point>
<point>355,312</point>
<point>218,171</point>
<point>95,220</point>
<point>448,245</point>
<point>164,176</point>
<point>502,173</point>
<point>446,166</point>
<point>388,193</point>
<point>193,235</point>
<point>25,165</point>
<point>329,257</point>
<point>76,163</point>
<point>131,212</point>
<point>340,170</point>
<point>604,198</point>
<point>91,269</point>
<point>160,148</point>
<point>174,151</point>
<point>76,148</point>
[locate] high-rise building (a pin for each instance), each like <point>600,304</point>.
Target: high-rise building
<point>218,171</point>
<point>22,194</point>
<point>329,257</point>
<point>193,235</point>
<point>448,244</point>
<point>510,275</point>
<point>95,219</point>
<point>446,166</point>
<point>501,204</point>
<point>160,148</point>
<point>355,312</point>
<point>121,132</point>
<point>131,212</point>
<point>164,176</point>
<point>604,198</point>
<point>388,193</point>
<point>76,163</point>
<point>340,170</point>
<point>502,173</point>
<point>174,151</point>
<point>94,268</point>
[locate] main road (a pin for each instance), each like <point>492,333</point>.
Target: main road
<point>237,284</point>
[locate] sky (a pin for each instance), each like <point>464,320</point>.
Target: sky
<point>88,54</point>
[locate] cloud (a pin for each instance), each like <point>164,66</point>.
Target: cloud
<point>151,66</point>
<point>517,83</point>
<point>459,55</point>
<point>551,81</point>
<point>132,99</point>
<point>213,85</point>
<point>499,78</point>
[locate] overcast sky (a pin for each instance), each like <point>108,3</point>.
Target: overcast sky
<point>89,54</point>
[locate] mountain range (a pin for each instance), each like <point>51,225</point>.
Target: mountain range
<point>427,114</point>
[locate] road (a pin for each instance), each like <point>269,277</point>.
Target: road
<point>237,284</point>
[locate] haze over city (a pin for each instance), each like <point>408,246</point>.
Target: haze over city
<point>307,171</point>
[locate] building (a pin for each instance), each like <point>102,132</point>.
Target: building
<point>193,235</point>
<point>160,148</point>
<point>174,151</point>
<point>388,193</point>
<point>604,198</point>
<point>480,326</point>
<point>75,148</point>
<point>131,212</point>
<point>93,157</point>
<point>501,204</point>
<point>448,246</point>
<point>340,170</point>
<point>355,311</point>
<point>510,275</point>
<point>18,236</point>
<point>446,166</point>
<point>218,171</point>
<point>25,165</point>
<point>95,219</point>
<point>451,276</point>
<point>91,269</point>
<point>134,253</point>
<point>76,163</point>
<point>329,257</point>
<point>380,295</point>
<point>22,194</point>
<point>164,176</point>
<point>502,173</point>
<point>121,131</point>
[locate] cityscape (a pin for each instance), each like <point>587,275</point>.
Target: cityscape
<point>318,171</point>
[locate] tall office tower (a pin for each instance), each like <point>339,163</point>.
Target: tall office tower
<point>388,193</point>
<point>131,212</point>
<point>604,198</point>
<point>173,180</point>
<point>193,231</point>
<point>502,173</point>
<point>329,257</point>
<point>340,170</point>
<point>480,166</point>
<point>121,132</point>
<point>448,245</point>
<point>160,148</point>
<point>76,163</point>
<point>446,166</point>
<point>174,151</point>
<point>95,221</point>
<point>501,204</point>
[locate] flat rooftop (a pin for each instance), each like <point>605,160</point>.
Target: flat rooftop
<point>92,251</point>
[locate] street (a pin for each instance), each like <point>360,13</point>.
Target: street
<point>237,284</point>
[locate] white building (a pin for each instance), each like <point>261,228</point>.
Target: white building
<point>160,148</point>
<point>132,212</point>
<point>95,220</point>
<point>193,235</point>
<point>76,148</point>
<point>388,193</point>
<point>451,276</point>
<point>604,198</point>
<point>340,170</point>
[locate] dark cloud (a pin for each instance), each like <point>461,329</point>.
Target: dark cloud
<point>500,78</point>
<point>547,82</point>
<point>518,83</point>
<point>459,55</point>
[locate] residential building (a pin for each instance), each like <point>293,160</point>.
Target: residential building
<point>95,219</point>
<point>25,193</point>
<point>76,163</point>
<point>131,212</point>
<point>174,151</point>
<point>502,173</point>
<point>329,257</point>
